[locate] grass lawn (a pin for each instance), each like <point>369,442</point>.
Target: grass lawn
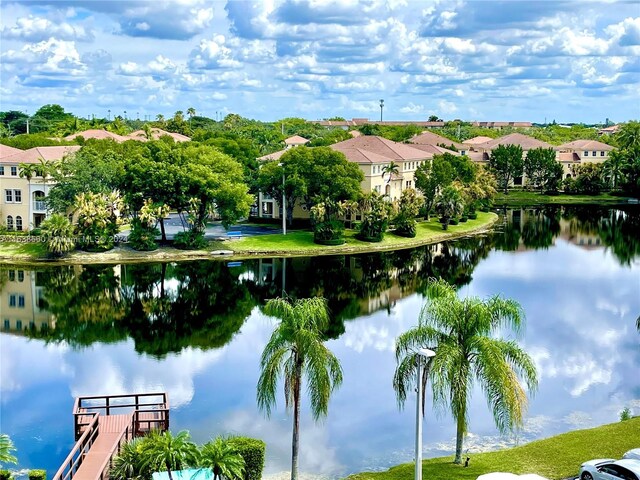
<point>301,242</point>
<point>532,198</point>
<point>23,250</point>
<point>555,457</point>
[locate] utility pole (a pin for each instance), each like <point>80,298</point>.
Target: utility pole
<point>109,114</point>
<point>381,107</point>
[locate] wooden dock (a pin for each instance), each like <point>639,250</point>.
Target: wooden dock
<point>102,424</point>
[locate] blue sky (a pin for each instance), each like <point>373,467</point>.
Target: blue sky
<point>477,60</point>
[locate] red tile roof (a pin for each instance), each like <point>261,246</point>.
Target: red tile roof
<point>381,148</point>
<point>156,133</point>
<point>585,145</point>
<point>430,138</point>
<point>274,155</point>
<point>526,142</point>
<point>477,140</point>
<point>435,150</point>
<point>568,157</point>
<point>33,155</point>
<point>96,134</point>
<point>296,140</point>
<point>6,150</point>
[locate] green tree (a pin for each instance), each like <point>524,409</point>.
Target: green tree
<point>191,112</point>
<point>408,208</point>
<point>628,137</point>
<point>172,452</point>
<point>296,351</point>
<point>536,164</point>
<point>431,177</point>
<point>612,167</point>
<point>376,213</point>
<point>506,163</point>
<point>462,333</point>
<point>224,460</point>
<point>6,449</point>
<point>98,219</point>
<point>449,205</point>
<point>58,233</point>
<point>590,179</point>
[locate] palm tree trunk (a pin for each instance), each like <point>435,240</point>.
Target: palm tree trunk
<point>169,470</point>
<point>295,442</point>
<point>164,235</point>
<point>459,437</point>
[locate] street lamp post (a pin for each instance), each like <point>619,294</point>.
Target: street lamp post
<point>422,353</point>
<point>381,107</point>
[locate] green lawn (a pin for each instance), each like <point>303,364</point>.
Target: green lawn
<point>555,457</point>
<point>22,250</point>
<point>519,197</point>
<point>301,242</point>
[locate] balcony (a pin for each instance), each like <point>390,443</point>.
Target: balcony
<point>39,206</point>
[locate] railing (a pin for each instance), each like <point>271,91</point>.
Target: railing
<point>80,449</point>
<point>108,403</point>
<point>40,206</point>
<point>127,435</point>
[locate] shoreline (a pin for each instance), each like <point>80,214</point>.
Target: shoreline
<point>223,250</point>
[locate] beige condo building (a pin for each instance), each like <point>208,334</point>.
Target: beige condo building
<point>22,201</point>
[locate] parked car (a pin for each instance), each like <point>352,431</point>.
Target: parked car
<point>610,469</point>
<point>634,453</point>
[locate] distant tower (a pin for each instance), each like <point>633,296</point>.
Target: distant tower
<point>381,107</point>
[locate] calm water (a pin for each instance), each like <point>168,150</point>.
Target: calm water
<point>196,330</point>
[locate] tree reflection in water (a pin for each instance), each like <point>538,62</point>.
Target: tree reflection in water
<point>165,308</point>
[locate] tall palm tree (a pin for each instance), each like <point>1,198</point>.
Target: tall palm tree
<point>224,460</point>
<point>391,169</point>
<point>28,170</point>
<point>294,350</point>
<point>6,447</point>
<point>172,452</point>
<point>191,112</point>
<point>629,135</point>
<point>461,332</point>
<point>612,167</point>
<point>160,118</point>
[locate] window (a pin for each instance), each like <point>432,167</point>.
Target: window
<point>17,196</point>
<point>586,154</point>
<point>14,171</point>
<point>19,325</point>
<point>8,196</point>
<point>9,222</point>
<point>377,188</point>
<point>13,300</point>
<point>20,301</point>
<point>594,153</point>
<point>1,169</point>
<point>19,223</point>
<point>21,275</point>
<point>12,275</point>
<point>602,153</point>
<point>7,324</point>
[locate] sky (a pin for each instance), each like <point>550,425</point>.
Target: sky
<point>509,60</point>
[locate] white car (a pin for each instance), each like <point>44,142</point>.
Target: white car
<point>610,469</point>
<point>635,454</point>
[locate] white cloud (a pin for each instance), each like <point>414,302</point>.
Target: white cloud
<point>447,107</point>
<point>36,29</point>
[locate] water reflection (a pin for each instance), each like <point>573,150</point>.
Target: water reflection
<point>196,330</point>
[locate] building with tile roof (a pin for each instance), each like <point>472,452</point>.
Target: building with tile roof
<point>22,205</point>
<point>430,138</point>
<point>295,141</point>
<point>477,140</point>
<point>572,154</point>
<point>97,134</point>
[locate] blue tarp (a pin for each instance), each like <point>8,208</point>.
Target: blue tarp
<point>190,474</point>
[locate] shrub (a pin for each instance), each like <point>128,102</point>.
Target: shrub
<point>375,218</point>
<point>253,452</point>
<point>327,229</point>
<point>37,475</point>
<point>453,221</point>
<point>408,208</point>
<point>463,219</point>
<point>189,240</point>
<point>5,475</point>
<point>143,237</point>
<point>58,232</point>
<point>473,215</point>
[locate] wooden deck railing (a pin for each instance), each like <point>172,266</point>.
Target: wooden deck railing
<point>153,414</point>
<point>80,449</point>
<point>146,415</point>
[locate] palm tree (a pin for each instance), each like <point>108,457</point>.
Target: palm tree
<point>612,167</point>
<point>172,452</point>
<point>129,463</point>
<point>629,135</point>
<point>178,117</point>
<point>160,118</point>
<point>392,168</point>
<point>461,333</point>
<point>449,205</point>
<point>28,170</point>
<point>59,234</point>
<point>222,459</point>
<point>191,112</point>
<point>6,447</point>
<point>294,350</point>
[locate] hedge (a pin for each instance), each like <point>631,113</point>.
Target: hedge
<point>37,475</point>
<point>253,452</point>
<point>5,475</point>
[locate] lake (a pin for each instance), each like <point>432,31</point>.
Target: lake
<point>196,330</point>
